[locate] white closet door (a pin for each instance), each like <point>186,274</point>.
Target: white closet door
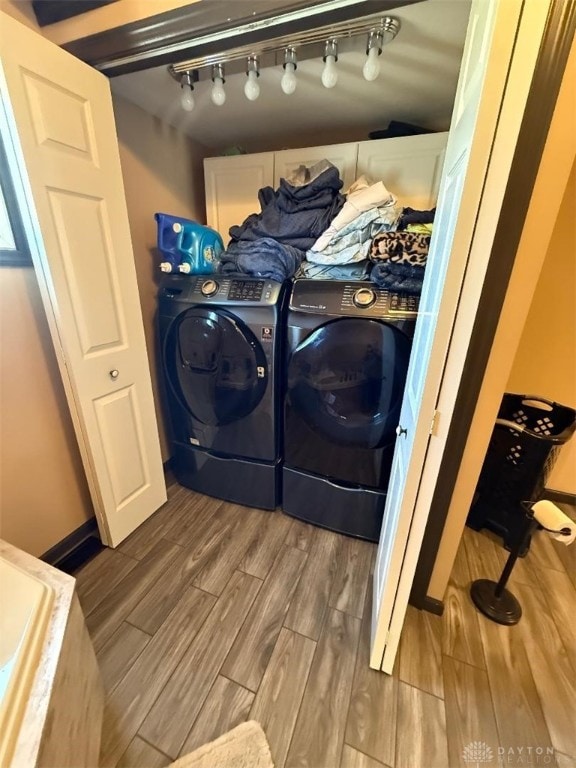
<point>232,185</point>
<point>343,156</point>
<point>409,166</point>
<point>499,58</point>
<point>58,124</point>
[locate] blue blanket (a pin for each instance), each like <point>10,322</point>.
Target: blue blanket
<point>264,257</point>
<point>398,277</point>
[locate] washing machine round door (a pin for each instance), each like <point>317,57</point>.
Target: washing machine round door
<point>346,381</point>
<point>215,365</point>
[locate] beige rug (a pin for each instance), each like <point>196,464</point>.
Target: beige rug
<point>243,747</point>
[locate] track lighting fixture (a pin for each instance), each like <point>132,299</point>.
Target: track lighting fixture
<point>377,38</point>
<point>289,81</point>
<point>376,32</point>
<point>187,97</point>
<point>251,88</point>
<point>218,94</point>
<point>330,71</point>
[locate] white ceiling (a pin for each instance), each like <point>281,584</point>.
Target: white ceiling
<point>417,83</point>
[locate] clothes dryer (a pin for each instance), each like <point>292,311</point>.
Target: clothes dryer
<point>348,348</point>
<point>220,349</point>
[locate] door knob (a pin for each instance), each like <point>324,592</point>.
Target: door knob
<point>401,431</point>
<point>114,373</point>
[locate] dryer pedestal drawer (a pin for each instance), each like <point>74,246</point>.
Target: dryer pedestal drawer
<point>250,483</point>
<point>317,500</point>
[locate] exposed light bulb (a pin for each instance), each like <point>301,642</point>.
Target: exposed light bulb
<point>289,81</point>
<point>330,72</point>
<point>378,37</point>
<point>187,99</point>
<point>218,94</point>
<point>251,88</point>
<point>371,68</point>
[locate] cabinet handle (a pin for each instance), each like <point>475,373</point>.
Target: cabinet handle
<point>401,431</point>
<point>114,373</point>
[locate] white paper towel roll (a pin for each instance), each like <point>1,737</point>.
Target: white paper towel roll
<point>558,525</point>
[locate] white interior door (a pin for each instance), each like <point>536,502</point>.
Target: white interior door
<point>58,124</point>
<point>483,77</point>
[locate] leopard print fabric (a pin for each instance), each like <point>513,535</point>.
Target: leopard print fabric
<point>400,248</point>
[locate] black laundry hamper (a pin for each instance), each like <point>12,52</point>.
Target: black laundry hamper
<point>524,446</point>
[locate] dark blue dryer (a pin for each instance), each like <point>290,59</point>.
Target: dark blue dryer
<point>348,348</point>
<point>220,342</point>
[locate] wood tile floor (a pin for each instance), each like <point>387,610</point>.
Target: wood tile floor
<point>212,613</point>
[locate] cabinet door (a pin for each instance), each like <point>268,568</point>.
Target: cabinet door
<point>343,156</point>
<point>232,185</point>
<point>409,166</point>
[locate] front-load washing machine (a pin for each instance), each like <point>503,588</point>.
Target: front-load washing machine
<point>348,347</point>
<point>220,340</point>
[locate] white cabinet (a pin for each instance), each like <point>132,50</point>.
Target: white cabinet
<point>409,166</point>
<point>343,156</point>
<point>232,185</point>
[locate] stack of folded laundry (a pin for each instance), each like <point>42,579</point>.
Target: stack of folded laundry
<point>307,228</point>
<point>399,257</point>
<point>342,250</point>
<point>272,243</point>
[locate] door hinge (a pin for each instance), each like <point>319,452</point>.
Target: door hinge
<point>434,423</point>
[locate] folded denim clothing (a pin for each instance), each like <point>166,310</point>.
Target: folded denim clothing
<point>262,258</point>
<point>359,270</point>
<point>352,243</point>
<point>400,248</point>
<point>294,215</point>
<point>413,216</point>
<point>362,196</point>
<point>406,278</point>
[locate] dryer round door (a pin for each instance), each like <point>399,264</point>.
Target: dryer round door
<point>215,365</point>
<point>346,380</point>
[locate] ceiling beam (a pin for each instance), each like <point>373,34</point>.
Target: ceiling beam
<point>206,28</point>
